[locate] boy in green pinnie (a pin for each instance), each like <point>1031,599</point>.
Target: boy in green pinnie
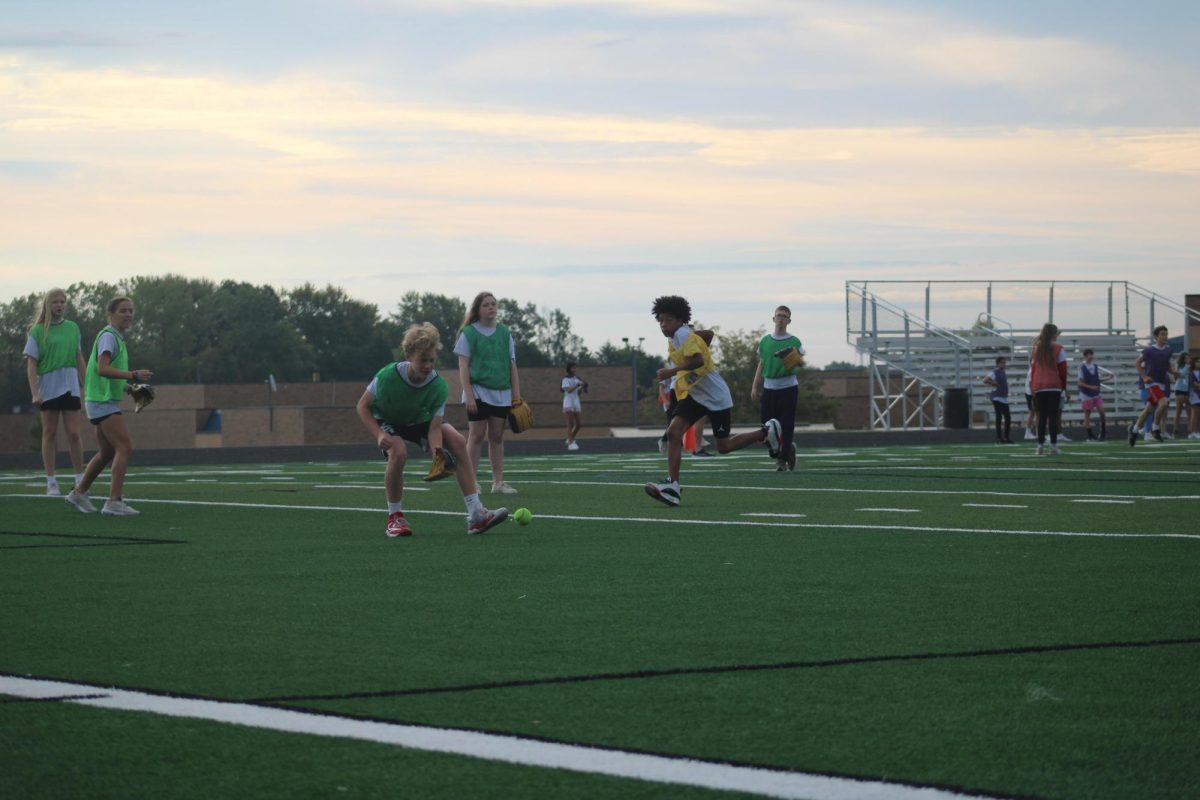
<point>780,387</point>
<point>407,401</point>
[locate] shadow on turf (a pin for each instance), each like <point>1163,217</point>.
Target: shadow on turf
<point>663,673</point>
<point>88,541</point>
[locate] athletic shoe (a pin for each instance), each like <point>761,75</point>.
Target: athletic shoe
<point>774,433</point>
<point>666,493</point>
<point>502,488</point>
<point>790,458</point>
<point>1091,437</point>
<point>117,508</point>
<point>486,520</point>
<point>1157,434</point>
<point>397,525</point>
<point>662,446</point>
<point>573,446</point>
<point>1007,441</point>
<point>781,466</point>
<point>80,501</point>
<point>1133,436</point>
<point>1062,437</point>
<point>1054,451</point>
<point>1041,450</point>
<point>703,452</point>
<point>1029,435</point>
<point>52,490</point>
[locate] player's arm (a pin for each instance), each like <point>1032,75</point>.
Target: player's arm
<point>81,366</point>
<point>363,407</point>
<point>1140,366</point>
<point>754,384</point>
<point>435,433</point>
<point>464,378</point>
<point>694,361</point>
<point>31,367</point>
<point>515,378</point>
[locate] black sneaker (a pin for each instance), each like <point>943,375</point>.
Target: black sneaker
<point>1133,436</point>
<point>1157,434</point>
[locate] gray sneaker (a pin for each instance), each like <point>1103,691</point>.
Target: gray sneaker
<point>502,488</point>
<point>666,493</point>
<point>80,501</point>
<point>486,520</point>
<point>117,508</point>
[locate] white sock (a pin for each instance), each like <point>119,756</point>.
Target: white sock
<point>78,478</point>
<point>474,504</point>
<point>51,480</point>
<point>393,507</point>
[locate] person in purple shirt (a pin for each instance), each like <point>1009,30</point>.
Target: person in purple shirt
<point>998,380</point>
<point>1156,371</point>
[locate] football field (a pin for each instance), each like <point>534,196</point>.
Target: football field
<point>908,621</point>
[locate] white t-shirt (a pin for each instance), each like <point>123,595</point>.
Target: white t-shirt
<point>571,400</point>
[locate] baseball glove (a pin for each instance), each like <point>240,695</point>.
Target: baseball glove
<point>791,357</point>
<point>520,418</point>
<point>442,466</point>
<point>142,394</point>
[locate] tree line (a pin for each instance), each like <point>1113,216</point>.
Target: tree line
<point>194,330</point>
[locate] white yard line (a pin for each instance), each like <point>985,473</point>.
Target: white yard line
<point>676,522</point>
<point>1115,502</point>
<point>891,510</point>
<point>991,505</point>
<point>487,746</point>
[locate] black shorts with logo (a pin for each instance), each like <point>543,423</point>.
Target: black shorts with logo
<point>417,434</point>
<point>484,410</point>
<point>721,421</point>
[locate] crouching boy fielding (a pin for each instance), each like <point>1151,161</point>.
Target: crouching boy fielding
<point>407,401</point>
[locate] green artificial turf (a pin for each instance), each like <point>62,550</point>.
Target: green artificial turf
<point>873,614</point>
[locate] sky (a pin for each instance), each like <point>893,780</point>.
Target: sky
<point>590,155</point>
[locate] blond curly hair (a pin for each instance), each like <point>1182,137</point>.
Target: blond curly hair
<point>421,337</point>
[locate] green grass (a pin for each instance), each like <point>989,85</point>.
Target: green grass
<point>947,644</point>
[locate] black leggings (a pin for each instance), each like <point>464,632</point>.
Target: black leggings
<point>1047,414</point>
<point>1002,428</point>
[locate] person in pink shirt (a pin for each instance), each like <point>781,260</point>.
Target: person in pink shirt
<point>1047,382</point>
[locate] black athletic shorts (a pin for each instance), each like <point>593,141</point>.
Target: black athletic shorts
<point>64,402</point>
<point>98,420</point>
<point>417,434</point>
<point>484,410</point>
<point>720,421</point>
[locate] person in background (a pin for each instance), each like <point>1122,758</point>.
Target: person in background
<point>55,368</point>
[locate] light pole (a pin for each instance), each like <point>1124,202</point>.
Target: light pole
<point>633,373</point>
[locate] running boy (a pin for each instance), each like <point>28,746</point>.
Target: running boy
<point>1090,398</point>
<point>407,401</point>
<point>1155,369</point>
<point>700,391</point>
<point>998,380</point>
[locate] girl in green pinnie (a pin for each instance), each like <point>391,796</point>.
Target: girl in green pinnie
<point>55,367</point>
<point>107,381</point>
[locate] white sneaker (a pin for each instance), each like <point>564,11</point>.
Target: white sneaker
<point>1041,450</point>
<point>573,446</point>
<point>1029,435</point>
<point>117,508</point>
<point>662,447</point>
<point>774,434</point>
<point>52,489</point>
<point>502,488</point>
<point>666,493</point>
<point>1054,451</point>
<point>1062,437</point>
<point>80,501</point>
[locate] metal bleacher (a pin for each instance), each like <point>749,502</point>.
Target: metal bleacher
<point>914,361</point>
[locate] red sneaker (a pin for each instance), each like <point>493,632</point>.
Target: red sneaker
<point>397,525</point>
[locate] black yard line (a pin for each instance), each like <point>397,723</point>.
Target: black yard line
<point>80,540</point>
<point>732,668</point>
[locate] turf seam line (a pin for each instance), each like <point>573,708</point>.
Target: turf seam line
<point>713,670</point>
